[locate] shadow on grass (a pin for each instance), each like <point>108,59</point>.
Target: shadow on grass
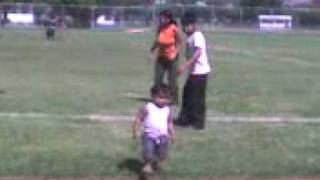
<point>2,91</point>
<point>134,166</point>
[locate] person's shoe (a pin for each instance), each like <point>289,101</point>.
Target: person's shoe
<point>147,169</point>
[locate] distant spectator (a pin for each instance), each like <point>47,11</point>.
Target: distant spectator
<point>50,21</point>
<point>4,19</point>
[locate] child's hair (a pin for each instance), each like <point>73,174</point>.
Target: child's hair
<point>162,91</point>
<point>188,18</point>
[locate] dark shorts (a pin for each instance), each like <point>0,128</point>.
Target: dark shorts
<point>50,32</point>
<point>155,149</point>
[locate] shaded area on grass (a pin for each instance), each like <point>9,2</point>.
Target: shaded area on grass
<point>133,165</point>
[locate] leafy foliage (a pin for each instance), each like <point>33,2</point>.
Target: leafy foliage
<point>264,3</point>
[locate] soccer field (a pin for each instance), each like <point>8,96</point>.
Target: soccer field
<point>256,74</point>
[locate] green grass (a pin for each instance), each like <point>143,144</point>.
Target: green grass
<point>91,72</point>
<point>266,74</point>
<point>87,73</point>
<point>38,147</point>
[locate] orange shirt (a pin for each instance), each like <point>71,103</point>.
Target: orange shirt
<point>167,42</point>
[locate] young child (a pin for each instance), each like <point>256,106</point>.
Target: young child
<point>194,92</point>
<point>157,122</point>
<point>166,51</point>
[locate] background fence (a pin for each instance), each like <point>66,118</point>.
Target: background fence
<point>144,16</point>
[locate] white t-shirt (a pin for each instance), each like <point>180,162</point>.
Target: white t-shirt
<point>156,120</point>
<point>201,66</point>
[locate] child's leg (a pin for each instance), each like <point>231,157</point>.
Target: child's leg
<point>162,152</point>
<point>149,147</point>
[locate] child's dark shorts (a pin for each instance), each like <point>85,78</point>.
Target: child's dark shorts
<point>50,32</point>
<point>155,149</point>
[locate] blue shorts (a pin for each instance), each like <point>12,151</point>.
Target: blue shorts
<point>155,149</point>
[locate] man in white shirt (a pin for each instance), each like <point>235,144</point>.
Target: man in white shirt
<point>194,93</point>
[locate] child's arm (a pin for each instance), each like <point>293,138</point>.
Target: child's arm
<point>171,127</point>
<point>190,62</point>
<point>137,123</point>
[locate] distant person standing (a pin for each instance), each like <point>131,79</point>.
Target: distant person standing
<point>166,51</point>
<point>4,19</point>
<point>50,21</point>
<point>193,109</point>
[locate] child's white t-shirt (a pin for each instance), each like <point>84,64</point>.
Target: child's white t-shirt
<point>156,120</point>
<point>201,66</point>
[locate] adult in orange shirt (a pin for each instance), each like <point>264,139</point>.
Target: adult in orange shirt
<point>166,49</point>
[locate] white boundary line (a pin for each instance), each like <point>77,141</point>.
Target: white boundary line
<point>264,119</point>
<point>128,118</point>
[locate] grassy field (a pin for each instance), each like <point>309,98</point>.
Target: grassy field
<point>256,74</point>
<point>259,74</point>
<point>80,148</point>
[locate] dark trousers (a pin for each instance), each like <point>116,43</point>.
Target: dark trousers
<point>50,33</point>
<point>162,66</point>
<point>193,110</point>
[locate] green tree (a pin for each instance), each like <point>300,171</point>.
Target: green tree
<point>263,3</point>
<point>56,1</point>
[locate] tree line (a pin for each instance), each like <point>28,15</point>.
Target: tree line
<point>269,3</point>
<point>77,2</point>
